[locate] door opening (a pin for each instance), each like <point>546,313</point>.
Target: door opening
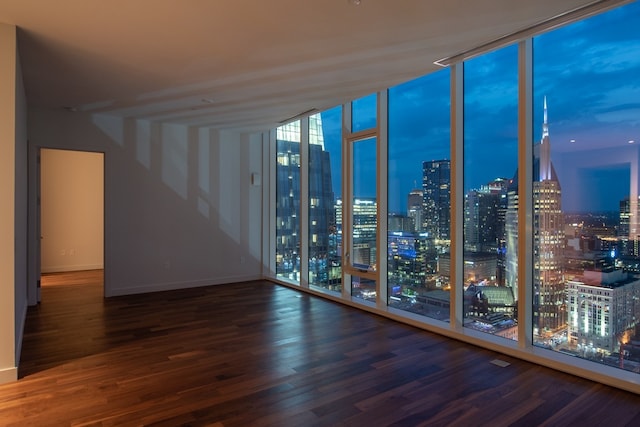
<point>71,215</point>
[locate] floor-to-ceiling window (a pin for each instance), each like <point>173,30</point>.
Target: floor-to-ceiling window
<point>586,103</point>
<point>364,217</point>
<point>419,196</point>
<point>362,254</point>
<point>556,221</point>
<point>490,192</point>
<point>288,202</point>
<point>325,207</point>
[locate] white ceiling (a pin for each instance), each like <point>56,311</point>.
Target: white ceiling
<point>244,64</point>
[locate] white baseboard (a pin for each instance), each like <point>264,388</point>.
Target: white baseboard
<point>64,268</point>
<point>8,375</point>
<point>171,286</point>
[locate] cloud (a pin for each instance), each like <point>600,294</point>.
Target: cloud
<point>589,71</point>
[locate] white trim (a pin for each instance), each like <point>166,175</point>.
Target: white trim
<point>346,185</point>
<point>525,191</point>
<point>382,195</point>
<point>303,215</point>
<point>266,254</point>
<point>172,286</point>
<point>65,268</point>
<point>270,204</point>
<point>8,375</point>
<point>456,275</point>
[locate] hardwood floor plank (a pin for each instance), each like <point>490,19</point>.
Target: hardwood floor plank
<point>259,354</point>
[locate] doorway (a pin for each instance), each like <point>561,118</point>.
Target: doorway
<point>71,220</point>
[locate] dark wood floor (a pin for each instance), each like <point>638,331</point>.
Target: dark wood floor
<point>259,354</point>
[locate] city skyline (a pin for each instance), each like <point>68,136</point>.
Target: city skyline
<point>592,104</point>
<point>584,279</point>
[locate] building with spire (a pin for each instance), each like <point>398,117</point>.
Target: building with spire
<point>549,297</point>
<point>549,294</point>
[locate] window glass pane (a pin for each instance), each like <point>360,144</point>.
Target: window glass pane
<point>586,287</point>
<point>364,206</point>
<point>325,233</point>
<point>363,288</point>
<point>419,196</point>
<point>288,202</point>
<point>364,210</point>
<point>364,113</point>
<point>491,197</point>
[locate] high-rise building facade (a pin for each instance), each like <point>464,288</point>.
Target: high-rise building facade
<point>549,294</point>
<point>511,235</point>
<point>436,198</point>
<point>603,306</point>
<point>484,224</point>
<point>398,222</point>
<point>406,261</point>
<point>549,297</point>
<point>322,220</point>
<point>482,221</point>
<point>288,201</point>
<point>628,237</point>
<point>625,211</point>
<point>365,231</point>
<point>414,208</point>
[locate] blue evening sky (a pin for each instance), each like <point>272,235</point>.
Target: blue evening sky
<point>589,72</point>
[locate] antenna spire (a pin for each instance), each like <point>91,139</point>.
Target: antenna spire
<point>545,148</point>
<point>545,125</point>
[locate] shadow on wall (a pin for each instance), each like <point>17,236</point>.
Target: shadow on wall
<point>178,151</point>
<point>180,210</point>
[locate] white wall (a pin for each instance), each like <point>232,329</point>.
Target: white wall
<point>13,205</point>
<point>72,210</point>
<point>180,210</point>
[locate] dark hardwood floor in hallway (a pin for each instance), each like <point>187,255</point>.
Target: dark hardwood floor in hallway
<point>260,354</point>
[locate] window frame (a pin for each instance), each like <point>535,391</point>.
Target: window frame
<point>524,347</point>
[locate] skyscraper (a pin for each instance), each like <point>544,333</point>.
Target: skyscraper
<point>436,198</point>
<point>484,219</point>
<point>365,231</point>
<point>549,295</point>
<point>625,211</point>
<point>406,260</point>
<point>414,208</point>
<point>549,298</point>
<point>511,235</point>
<point>628,238</point>
<point>288,201</point>
<point>322,221</point>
